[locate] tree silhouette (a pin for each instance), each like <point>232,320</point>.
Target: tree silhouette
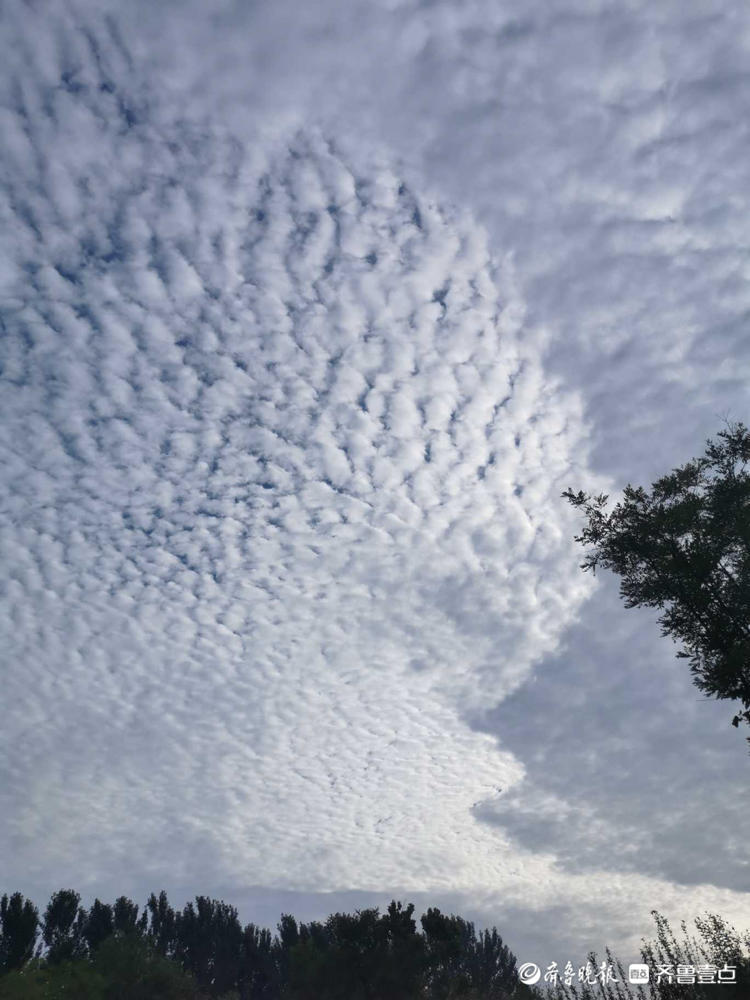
<point>208,937</point>
<point>202,951</point>
<point>162,927</point>
<point>259,976</point>
<point>99,924</point>
<point>125,917</point>
<point>493,967</point>
<point>685,547</point>
<point>19,927</point>
<point>63,927</point>
<point>449,941</point>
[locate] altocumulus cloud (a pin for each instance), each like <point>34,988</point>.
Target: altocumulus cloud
<point>604,142</point>
<point>281,489</point>
<point>279,479</point>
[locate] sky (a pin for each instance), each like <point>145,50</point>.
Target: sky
<point>310,312</point>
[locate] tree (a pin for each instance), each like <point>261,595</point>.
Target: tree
<point>19,926</point>
<point>132,969</point>
<point>685,547</point>
<point>162,925</point>
<point>259,974</point>
<point>126,917</point>
<point>99,925</point>
<point>359,956</point>
<point>449,945</point>
<point>493,967</point>
<point>63,927</point>
<point>42,981</point>
<point>400,977</point>
<point>715,958</point>
<point>124,967</point>
<point>202,951</point>
<point>717,944</point>
<point>208,943</point>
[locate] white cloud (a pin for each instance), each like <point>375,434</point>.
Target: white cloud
<point>602,142</point>
<point>268,539</point>
<point>282,461</point>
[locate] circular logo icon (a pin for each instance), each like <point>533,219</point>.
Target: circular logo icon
<point>529,973</point>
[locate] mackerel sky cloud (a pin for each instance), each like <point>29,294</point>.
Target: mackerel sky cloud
<point>309,316</point>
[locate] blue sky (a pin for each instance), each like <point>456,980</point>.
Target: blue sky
<point>310,313</point>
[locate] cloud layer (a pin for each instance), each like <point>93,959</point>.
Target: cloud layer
<point>281,458</point>
<point>604,143</point>
<point>279,480</point>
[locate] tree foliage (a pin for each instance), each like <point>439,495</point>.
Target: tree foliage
<point>717,945</point>
<point>19,927</point>
<point>63,927</point>
<point>124,967</point>
<point>203,951</point>
<point>684,547</point>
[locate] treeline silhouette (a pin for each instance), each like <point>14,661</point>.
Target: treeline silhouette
<point>117,951</point>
